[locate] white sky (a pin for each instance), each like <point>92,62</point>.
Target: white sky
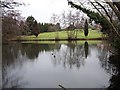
<point>42,10</point>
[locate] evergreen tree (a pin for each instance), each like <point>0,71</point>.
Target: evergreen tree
<point>86,28</point>
<point>30,21</point>
<point>35,28</point>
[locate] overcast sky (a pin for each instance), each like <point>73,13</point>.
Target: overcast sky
<point>42,10</point>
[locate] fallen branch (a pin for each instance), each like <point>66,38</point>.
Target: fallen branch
<point>62,87</point>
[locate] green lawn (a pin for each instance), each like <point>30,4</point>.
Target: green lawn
<point>61,34</point>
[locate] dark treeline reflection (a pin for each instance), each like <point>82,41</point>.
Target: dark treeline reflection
<point>31,51</point>
<point>14,55</point>
<point>73,54</point>
<point>11,52</point>
<point>68,55</point>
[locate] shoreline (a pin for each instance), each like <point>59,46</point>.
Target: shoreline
<point>61,39</point>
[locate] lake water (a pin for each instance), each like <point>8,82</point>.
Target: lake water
<point>72,65</point>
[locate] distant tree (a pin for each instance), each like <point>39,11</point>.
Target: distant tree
<point>33,26</point>
<point>35,29</point>
<point>71,31</point>
<point>55,19</point>
<point>30,21</point>
<point>45,27</point>
<point>41,26</point>
<point>72,21</point>
<point>58,26</point>
<point>86,28</point>
<point>68,22</point>
<point>10,28</point>
<point>54,27</point>
<point>23,28</point>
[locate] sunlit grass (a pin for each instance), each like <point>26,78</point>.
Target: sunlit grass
<point>61,35</point>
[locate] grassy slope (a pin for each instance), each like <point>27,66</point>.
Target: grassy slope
<point>62,35</point>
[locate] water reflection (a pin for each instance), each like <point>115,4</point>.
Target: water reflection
<point>10,76</point>
<point>69,55</point>
<point>10,80</point>
<point>86,47</point>
<point>14,56</point>
<point>86,61</point>
<point>115,79</point>
<point>111,64</point>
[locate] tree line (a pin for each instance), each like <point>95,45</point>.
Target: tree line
<point>35,28</point>
<point>13,24</point>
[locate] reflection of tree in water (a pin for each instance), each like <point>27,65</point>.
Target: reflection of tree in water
<point>115,79</point>
<point>13,57</point>
<point>74,55</point>
<point>104,62</point>
<point>103,56</point>
<point>111,63</point>
<point>9,53</point>
<point>11,79</point>
<point>10,60</point>
<point>86,47</point>
<point>32,50</point>
<point>71,55</point>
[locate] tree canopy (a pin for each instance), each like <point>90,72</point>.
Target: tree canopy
<point>32,25</point>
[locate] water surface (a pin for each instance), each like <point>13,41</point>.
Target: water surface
<point>71,65</point>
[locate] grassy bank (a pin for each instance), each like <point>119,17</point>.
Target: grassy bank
<point>61,34</point>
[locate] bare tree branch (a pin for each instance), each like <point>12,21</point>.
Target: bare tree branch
<point>117,12</point>
<point>107,20</point>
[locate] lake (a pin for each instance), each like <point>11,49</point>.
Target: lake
<point>72,65</point>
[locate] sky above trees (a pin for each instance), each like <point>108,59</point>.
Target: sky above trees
<point>42,10</point>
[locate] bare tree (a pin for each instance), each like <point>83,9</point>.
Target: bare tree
<point>55,19</point>
<point>10,19</point>
<point>73,20</point>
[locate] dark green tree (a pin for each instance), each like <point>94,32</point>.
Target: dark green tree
<point>86,28</point>
<point>47,27</point>
<point>35,29</point>
<point>41,26</point>
<point>33,26</point>
<point>30,21</point>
